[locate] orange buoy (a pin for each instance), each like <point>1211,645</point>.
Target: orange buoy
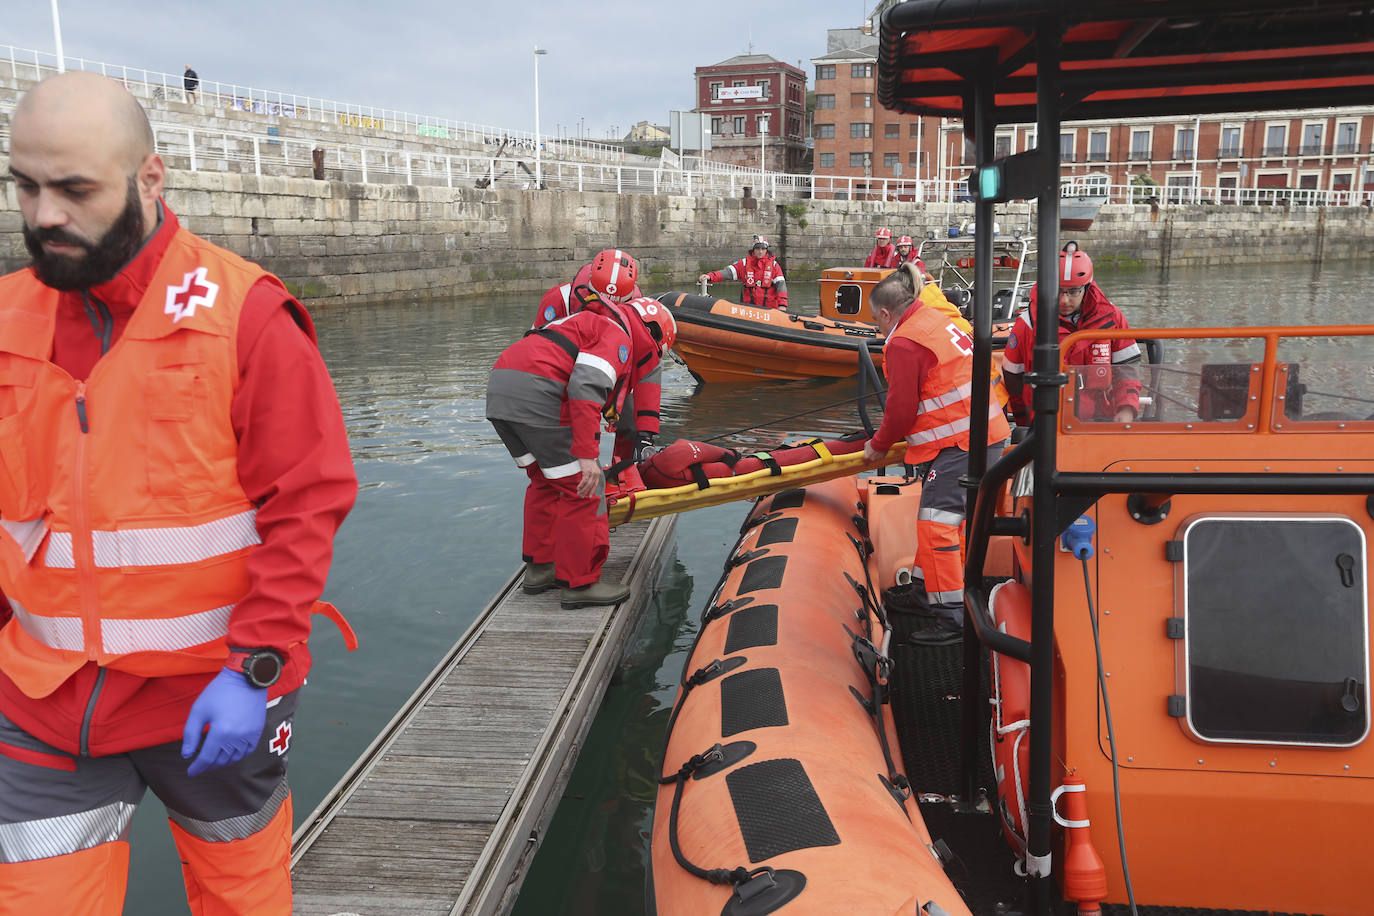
<point>1085,877</point>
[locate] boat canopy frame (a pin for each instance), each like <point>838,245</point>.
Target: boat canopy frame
<point>993,62</point>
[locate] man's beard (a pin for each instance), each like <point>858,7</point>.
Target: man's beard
<point>102,260</point>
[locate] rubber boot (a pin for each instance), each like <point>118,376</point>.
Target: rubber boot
<point>596,593</point>
<point>538,578</point>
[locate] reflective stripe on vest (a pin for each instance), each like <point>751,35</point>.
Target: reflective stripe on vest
<point>160,546</point>
<point>119,636</point>
<point>48,837</point>
<point>948,430</point>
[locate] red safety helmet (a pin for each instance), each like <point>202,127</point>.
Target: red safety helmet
<point>884,234</point>
<point>1075,267</point>
<point>904,240</point>
<point>659,320</point>
<point>614,274</point>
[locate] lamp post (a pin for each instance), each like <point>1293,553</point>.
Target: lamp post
<point>538,167</point>
<point>57,38</point>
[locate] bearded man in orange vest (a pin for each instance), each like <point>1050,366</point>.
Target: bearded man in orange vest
<point>173,468</point>
<point>928,360</point>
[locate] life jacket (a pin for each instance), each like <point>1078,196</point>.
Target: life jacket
<point>758,277</point>
<point>946,392</point>
<point>125,528</point>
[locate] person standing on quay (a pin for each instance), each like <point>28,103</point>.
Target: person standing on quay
<point>546,396</point>
<point>761,275</point>
<point>190,82</point>
<point>176,469</point>
<point>928,360</point>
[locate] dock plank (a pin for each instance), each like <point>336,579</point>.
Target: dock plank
<point>443,813</point>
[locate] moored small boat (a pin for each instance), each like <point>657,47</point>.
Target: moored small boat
<point>723,341</point>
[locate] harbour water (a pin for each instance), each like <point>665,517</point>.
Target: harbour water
<point>437,527</point>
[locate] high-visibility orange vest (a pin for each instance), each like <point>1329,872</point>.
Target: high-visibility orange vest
<point>124,530</point>
<point>933,296</point>
<point>946,393</point>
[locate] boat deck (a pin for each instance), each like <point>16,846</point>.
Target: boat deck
<point>444,811</point>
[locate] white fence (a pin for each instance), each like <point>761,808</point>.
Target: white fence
<point>26,63</point>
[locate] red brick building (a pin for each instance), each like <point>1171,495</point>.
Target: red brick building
<point>736,122</point>
<point>1227,157</point>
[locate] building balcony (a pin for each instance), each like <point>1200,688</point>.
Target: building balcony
<point>1183,152</point>
<point>1098,157</point>
<point>1275,151</point>
<point>1310,149</point>
<point>1347,149</point>
<point>1139,155</point>
<point>1228,152</point>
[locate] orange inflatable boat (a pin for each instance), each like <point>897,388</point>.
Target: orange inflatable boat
<point>782,785</point>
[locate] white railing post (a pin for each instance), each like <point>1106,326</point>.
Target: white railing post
<point>409,178</point>
<point>619,171</point>
<point>362,157</point>
<point>579,177</point>
<point>448,168</point>
<point>656,171</point>
<point>191,146</point>
<point>257,158</point>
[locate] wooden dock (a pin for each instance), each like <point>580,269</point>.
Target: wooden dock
<point>443,812</point>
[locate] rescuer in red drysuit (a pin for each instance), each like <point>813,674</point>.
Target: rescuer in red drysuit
<point>761,275</point>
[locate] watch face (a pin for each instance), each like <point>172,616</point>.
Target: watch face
<point>263,668</point>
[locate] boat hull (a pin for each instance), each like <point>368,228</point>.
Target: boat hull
<point>810,797</point>
<point>723,341</point>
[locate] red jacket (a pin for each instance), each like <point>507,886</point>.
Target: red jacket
<point>882,256</point>
<point>293,462</point>
<point>1097,403</point>
<point>562,301</point>
<point>568,373</point>
<point>764,284</point>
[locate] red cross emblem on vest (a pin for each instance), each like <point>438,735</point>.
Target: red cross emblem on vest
<point>281,741</point>
<point>194,292</point>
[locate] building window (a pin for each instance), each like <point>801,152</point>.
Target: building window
<point>715,91</point>
<point>916,160</point>
<point>715,126</point>
<point>1311,140</point>
<point>825,131</point>
<point>1140,144</point>
<point>739,125</point>
<point>825,101</point>
<point>861,71</point>
<point>857,160</point>
<point>826,161</point>
<point>1226,187</point>
<point>914,130</point>
<point>860,129</point>
<point>765,85</point>
<point>1001,147</point>
<point>1230,143</point>
<point>825,71</point>
<point>891,160</point>
<point>1066,148</point>
<point>861,100</point>
<point>892,130</point>
<point>1347,138</point>
<point>1183,143</point>
<point>1275,135</point>
<point>738,83</point>
<point>1097,146</point>
<point>1179,188</point>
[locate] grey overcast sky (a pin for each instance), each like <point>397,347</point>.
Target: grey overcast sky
<point>610,62</point>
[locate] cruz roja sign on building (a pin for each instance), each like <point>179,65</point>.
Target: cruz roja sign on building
<point>740,92</point>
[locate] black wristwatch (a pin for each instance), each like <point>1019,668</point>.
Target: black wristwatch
<point>262,667</point>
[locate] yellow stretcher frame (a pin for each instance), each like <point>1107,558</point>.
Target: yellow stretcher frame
<point>646,504</point>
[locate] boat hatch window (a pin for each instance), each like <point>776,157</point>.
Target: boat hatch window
<point>1276,646</point>
<point>848,299</point>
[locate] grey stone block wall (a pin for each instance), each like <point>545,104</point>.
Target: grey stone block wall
<point>335,242</point>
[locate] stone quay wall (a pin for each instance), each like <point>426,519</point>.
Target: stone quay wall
<point>337,242</point>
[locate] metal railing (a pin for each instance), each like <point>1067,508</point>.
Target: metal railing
<point>26,63</point>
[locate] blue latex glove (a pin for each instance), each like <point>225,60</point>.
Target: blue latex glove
<point>234,711</point>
